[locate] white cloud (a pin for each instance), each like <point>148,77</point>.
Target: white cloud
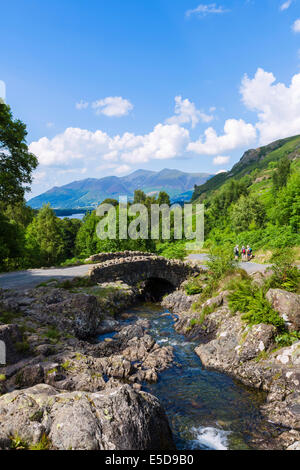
<point>164,142</point>
<point>286,5</point>
<point>39,176</point>
<point>186,112</point>
<point>50,125</point>
<point>82,105</point>
<point>221,160</point>
<point>113,106</point>
<point>203,10</point>
<point>2,90</point>
<point>221,171</point>
<point>278,106</point>
<point>237,133</point>
<point>296,26</point>
<point>120,170</point>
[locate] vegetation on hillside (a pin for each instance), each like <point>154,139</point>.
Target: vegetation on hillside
<point>256,204</point>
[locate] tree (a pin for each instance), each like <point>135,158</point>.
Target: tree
<point>16,162</point>
<point>44,240</point>
<point>280,176</point>
<point>11,243</point>
<point>163,198</point>
<point>286,210</point>
<point>69,229</point>
<point>139,197</point>
<point>86,239</point>
<point>246,212</point>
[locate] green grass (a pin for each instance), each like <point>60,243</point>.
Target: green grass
<point>22,347</point>
<point>8,317</point>
<point>53,334</point>
<point>43,444</point>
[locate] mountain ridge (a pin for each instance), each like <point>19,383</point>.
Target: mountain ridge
<point>252,159</point>
<point>90,192</point>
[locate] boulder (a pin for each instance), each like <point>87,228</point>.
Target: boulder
<point>287,305</point>
<point>179,301</point>
<point>259,339</point>
<point>115,419</point>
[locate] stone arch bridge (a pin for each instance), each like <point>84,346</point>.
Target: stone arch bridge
<point>135,267</point>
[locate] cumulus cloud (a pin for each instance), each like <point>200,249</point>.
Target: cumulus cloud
<point>82,105</point>
<point>221,160</point>
<point>120,170</point>
<point>113,106</point>
<point>286,5</point>
<point>296,26</point>
<point>277,105</point>
<point>164,142</point>
<point>203,10</point>
<point>237,133</point>
<point>187,113</point>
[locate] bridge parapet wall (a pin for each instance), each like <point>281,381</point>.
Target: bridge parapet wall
<point>135,269</point>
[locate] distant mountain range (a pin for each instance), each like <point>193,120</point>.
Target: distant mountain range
<point>91,192</point>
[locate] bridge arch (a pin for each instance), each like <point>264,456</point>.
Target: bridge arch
<point>136,269</point>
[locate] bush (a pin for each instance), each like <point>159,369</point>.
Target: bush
<point>285,275</point>
<point>220,262</point>
<point>193,286</point>
<point>250,300</point>
<point>175,250</point>
<point>287,339</point>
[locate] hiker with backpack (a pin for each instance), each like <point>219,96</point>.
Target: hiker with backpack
<point>236,252</point>
<point>249,253</point>
<point>244,253</point>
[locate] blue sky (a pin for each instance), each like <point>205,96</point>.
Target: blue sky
<point>109,86</point>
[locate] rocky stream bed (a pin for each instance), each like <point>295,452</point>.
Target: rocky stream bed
<point>94,368</point>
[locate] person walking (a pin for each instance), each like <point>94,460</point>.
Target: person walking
<point>249,253</point>
<point>244,257</point>
<point>236,252</point>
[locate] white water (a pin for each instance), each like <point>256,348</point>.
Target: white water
<point>212,438</point>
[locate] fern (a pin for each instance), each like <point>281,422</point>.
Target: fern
<point>251,301</point>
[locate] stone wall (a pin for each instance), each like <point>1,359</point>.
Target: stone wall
<point>135,269</point>
<point>102,257</point>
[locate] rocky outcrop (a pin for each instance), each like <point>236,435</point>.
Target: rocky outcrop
<point>116,419</point>
<point>80,312</point>
<point>178,301</point>
<point>76,314</point>
<point>131,356</point>
<point>249,354</point>
<point>287,305</point>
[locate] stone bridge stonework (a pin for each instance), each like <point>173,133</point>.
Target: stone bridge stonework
<point>133,269</point>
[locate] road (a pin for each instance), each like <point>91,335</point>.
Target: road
<point>33,277</point>
<point>249,267</point>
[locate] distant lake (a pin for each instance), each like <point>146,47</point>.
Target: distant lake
<point>72,216</point>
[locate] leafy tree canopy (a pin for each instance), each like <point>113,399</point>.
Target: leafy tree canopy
<point>16,162</point>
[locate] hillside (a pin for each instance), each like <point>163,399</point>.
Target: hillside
<point>258,201</point>
<point>91,192</point>
<point>254,159</point>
